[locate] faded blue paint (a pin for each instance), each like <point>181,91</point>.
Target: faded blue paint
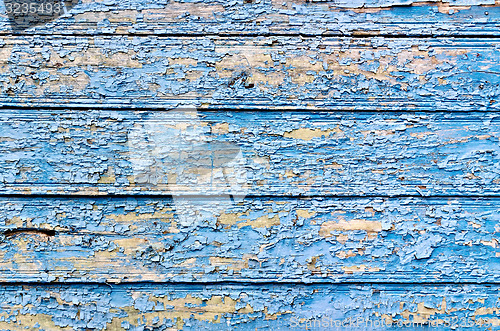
<point>275,17</point>
<point>276,259</point>
<point>311,240</point>
<point>287,153</point>
<point>252,73</point>
<point>236,307</point>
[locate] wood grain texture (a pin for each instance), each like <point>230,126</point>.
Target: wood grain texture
<point>234,307</point>
<point>257,240</point>
<point>97,152</point>
<point>399,18</point>
<point>251,73</point>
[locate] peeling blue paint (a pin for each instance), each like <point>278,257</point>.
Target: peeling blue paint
<point>275,17</point>
<point>143,72</point>
<point>372,166</point>
<point>259,240</point>
<point>287,153</point>
<point>280,307</point>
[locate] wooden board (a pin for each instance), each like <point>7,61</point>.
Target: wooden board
<point>97,152</point>
<point>251,73</point>
<point>265,240</point>
<point>250,165</point>
<point>235,307</point>
<point>377,18</point>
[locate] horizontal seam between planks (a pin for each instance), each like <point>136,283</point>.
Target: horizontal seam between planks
<point>249,196</point>
<point>249,283</point>
<point>119,108</point>
<point>255,35</point>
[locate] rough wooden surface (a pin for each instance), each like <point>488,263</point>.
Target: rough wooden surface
<point>282,153</point>
<point>235,307</point>
<point>341,166</point>
<point>251,73</point>
<point>264,17</point>
<point>259,240</point>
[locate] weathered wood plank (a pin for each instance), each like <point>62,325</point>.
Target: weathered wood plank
<point>257,240</point>
<point>274,17</point>
<point>233,307</point>
<point>251,73</point>
<point>248,153</point>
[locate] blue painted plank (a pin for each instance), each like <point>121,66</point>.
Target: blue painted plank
<point>233,307</point>
<point>266,237</point>
<point>256,240</point>
<point>272,17</point>
<point>251,73</point>
<point>101,152</point>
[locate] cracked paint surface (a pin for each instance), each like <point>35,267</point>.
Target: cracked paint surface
<point>251,73</point>
<point>285,153</point>
<point>370,134</point>
<point>338,17</point>
<point>237,307</point>
<point>258,240</point>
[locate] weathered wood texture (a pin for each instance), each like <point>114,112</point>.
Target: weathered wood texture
<point>275,17</point>
<point>282,153</point>
<point>349,168</point>
<point>251,73</point>
<point>234,307</point>
<point>259,240</point>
